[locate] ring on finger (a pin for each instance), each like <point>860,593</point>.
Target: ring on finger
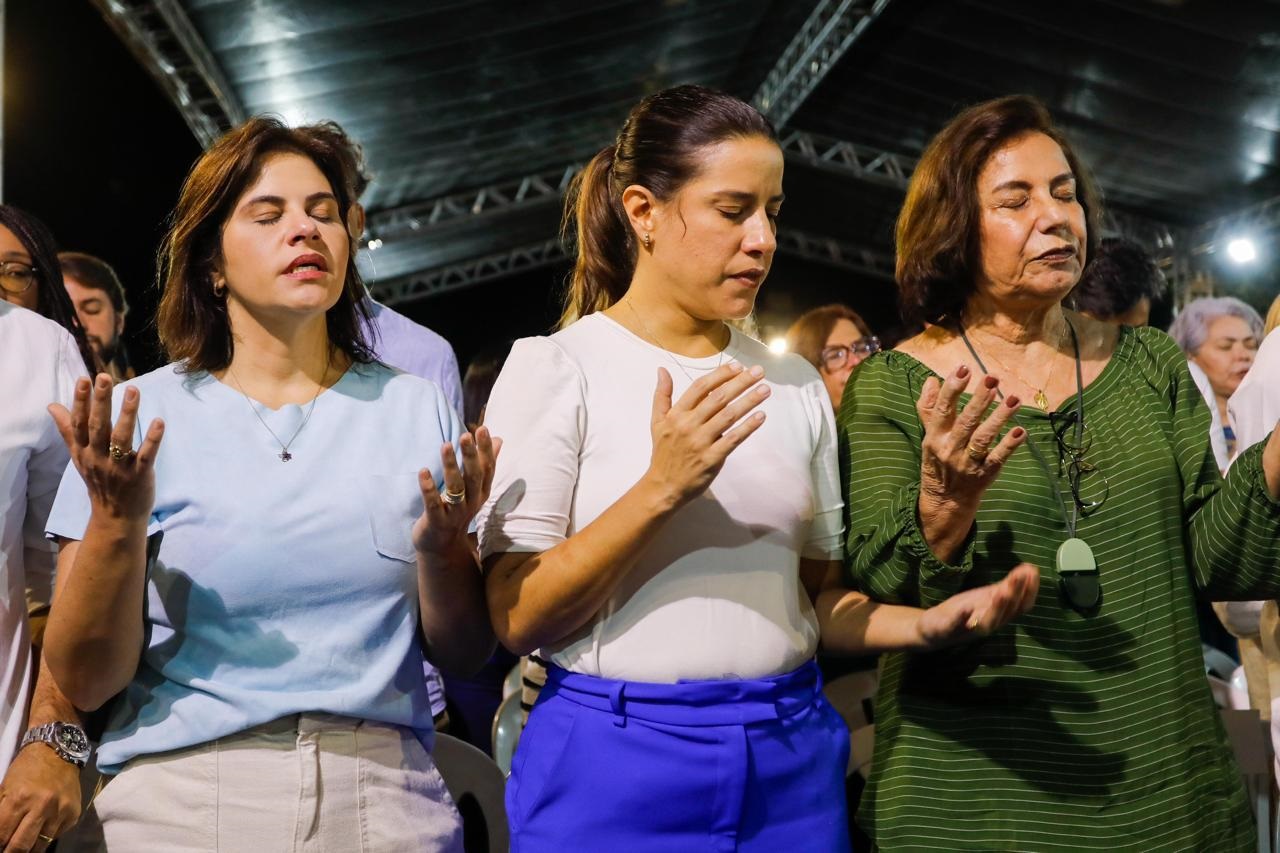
<point>977,454</point>
<point>453,498</point>
<point>46,839</point>
<point>119,452</point>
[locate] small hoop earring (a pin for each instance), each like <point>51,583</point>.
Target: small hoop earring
<point>648,241</point>
<point>219,289</point>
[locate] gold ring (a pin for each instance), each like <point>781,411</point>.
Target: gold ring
<point>118,453</point>
<point>979,456</point>
<point>46,839</point>
<point>453,498</point>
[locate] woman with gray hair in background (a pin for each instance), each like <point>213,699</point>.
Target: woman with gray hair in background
<point>1220,336</point>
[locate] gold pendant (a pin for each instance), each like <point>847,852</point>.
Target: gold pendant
<point>1041,401</point>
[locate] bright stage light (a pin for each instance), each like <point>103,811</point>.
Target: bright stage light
<point>778,345</point>
<point>1241,250</point>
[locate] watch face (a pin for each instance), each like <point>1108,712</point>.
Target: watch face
<point>72,739</point>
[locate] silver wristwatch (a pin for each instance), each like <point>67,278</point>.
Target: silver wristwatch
<point>66,739</point>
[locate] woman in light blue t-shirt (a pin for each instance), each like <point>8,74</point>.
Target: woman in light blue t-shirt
<point>253,557</point>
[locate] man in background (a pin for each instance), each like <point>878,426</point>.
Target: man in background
<point>99,301</point>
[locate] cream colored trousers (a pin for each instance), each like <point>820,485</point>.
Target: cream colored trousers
<point>305,783</point>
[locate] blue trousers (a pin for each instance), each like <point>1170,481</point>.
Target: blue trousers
<point>704,765</point>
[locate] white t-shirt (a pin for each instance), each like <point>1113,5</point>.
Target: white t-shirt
<point>1255,405</point>
<point>716,594</point>
<point>39,365</point>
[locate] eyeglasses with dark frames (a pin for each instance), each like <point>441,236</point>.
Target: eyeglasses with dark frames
<point>836,357</point>
<point>1089,486</point>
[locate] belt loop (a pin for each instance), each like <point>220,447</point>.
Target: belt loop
<point>617,703</point>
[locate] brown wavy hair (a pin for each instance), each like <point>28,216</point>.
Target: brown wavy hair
<point>192,322</point>
<point>657,148</point>
<point>937,236</point>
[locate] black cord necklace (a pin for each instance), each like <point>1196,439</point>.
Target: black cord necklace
<point>1075,565</point>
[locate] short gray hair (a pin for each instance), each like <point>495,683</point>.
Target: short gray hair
<point>1191,326</point>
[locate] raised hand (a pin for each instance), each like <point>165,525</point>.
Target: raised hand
<point>446,514</point>
<point>960,456</point>
<point>120,479</point>
<point>982,611</point>
<point>693,438</point>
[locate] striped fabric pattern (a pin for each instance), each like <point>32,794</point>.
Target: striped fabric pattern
<point>1062,731</point>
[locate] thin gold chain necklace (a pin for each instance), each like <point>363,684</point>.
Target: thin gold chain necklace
<point>1040,399</point>
<point>654,339</point>
<point>284,454</point>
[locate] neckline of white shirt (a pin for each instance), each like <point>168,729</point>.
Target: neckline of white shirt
<point>707,362</point>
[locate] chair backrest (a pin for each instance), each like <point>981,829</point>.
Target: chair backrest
<point>1250,742</point>
<point>477,787</point>
<point>507,725</point>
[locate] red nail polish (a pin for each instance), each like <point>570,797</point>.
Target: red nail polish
<point>1018,432</point>
<point>991,382</point>
<point>1012,402</point>
<point>962,371</point>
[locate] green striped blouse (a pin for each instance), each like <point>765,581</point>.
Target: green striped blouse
<point>1062,731</point>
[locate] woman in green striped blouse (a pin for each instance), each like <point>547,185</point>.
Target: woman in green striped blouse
<point>1088,723</point>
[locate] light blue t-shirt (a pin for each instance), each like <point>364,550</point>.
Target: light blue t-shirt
<point>276,587</point>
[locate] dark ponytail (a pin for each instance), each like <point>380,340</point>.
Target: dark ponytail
<point>657,148</point>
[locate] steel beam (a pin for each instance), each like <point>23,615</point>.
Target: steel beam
<point>526,191</point>
<point>433,282</point>
<point>824,37</point>
<point>850,159</point>
<point>161,37</point>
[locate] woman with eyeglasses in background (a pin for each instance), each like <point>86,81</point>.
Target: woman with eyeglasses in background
<point>834,339</point>
<point>31,277</point>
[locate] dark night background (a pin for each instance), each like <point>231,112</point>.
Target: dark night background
<point>94,148</point>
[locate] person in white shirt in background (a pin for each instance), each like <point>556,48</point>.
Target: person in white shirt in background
<point>39,365</point>
<point>1255,410</point>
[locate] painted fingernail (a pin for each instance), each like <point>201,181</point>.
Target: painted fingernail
<point>757,371</point>
<point>990,382</point>
<point>962,371</point>
<point>1012,402</point>
<point>1017,432</point>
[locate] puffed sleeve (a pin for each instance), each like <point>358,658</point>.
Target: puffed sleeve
<point>538,409</point>
<point>880,435</point>
<point>1233,525</point>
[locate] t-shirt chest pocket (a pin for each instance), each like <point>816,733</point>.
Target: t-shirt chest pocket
<point>394,503</point>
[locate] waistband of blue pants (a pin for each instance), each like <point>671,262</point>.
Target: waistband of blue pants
<point>691,703</point>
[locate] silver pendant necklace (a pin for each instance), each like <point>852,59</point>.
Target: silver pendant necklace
<point>284,454</point>
<point>654,338</point>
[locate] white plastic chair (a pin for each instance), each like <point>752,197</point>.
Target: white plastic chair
<point>507,725</point>
<point>477,786</point>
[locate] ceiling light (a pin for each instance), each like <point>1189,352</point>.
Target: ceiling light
<point>1241,250</point>
<point>778,345</point>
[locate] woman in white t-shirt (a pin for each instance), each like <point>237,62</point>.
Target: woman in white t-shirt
<point>663,547</point>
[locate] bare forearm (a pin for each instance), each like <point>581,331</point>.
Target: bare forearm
<point>551,595</point>
<point>95,632</point>
<point>48,703</point>
<point>455,617</point>
<point>852,624</point>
